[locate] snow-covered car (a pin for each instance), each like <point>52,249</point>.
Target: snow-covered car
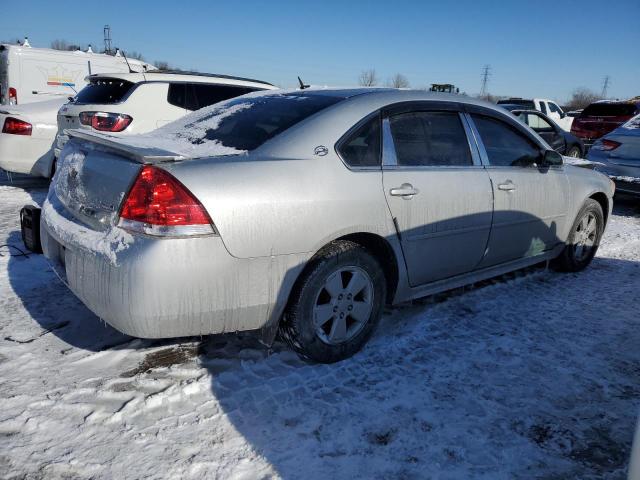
<point>548,107</point>
<point>27,135</point>
<point>617,154</point>
<point>306,211</point>
<point>131,103</point>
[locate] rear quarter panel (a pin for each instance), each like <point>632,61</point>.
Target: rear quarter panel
<point>269,206</point>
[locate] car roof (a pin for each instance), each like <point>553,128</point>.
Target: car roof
<point>180,76</point>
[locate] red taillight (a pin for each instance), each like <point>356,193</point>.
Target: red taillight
<point>158,204</point>
<point>16,127</point>
<point>608,145</point>
<point>13,96</point>
<point>105,122</point>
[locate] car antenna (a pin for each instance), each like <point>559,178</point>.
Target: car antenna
<point>302,85</point>
<point>125,59</point>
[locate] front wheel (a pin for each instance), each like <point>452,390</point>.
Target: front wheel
<point>336,304</point>
<point>574,152</point>
<point>583,240</point>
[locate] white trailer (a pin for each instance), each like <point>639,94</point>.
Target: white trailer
<point>30,75</point>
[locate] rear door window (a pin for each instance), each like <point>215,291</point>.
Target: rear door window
<point>543,107</point>
<point>194,96</point>
<point>104,91</point>
<point>537,123</point>
<point>362,148</point>
<point>430,139</point>
<point>505,146</point>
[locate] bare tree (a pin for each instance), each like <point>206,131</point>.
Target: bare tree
<point>398,81</point>
<point>135,55</point>
<point>581,97</point>
<point>368,78</point>
<point>162,65</point>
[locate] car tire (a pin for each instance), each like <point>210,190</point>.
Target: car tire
<point>320,321</point>
<point>583,240</point>
<point>574,151</point>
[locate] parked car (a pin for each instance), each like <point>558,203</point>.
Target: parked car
<point>30,75</point>
<point>548,107</point>
<point>600,118</point>
<point>120,104</point>
<point>306,211</point>
<point>130,103</point>
<point>617,154</point>
<point>561,141</point>
<point>26,136</point>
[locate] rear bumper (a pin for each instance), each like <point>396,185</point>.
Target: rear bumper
<point>157,288</point>
<point>26,154</point>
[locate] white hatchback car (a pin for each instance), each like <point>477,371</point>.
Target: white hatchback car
<point>132,103</point>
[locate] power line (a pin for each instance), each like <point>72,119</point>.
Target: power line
<point>605,86</point>
<point>486,73</point>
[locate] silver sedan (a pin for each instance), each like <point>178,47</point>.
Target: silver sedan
<point>304,212</point>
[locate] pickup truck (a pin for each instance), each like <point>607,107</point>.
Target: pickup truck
<point>548,107</point>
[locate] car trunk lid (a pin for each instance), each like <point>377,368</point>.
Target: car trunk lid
<point>92,179</point>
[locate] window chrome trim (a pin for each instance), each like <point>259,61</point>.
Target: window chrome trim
<point>484,158</point>
<point>389,158</point>
<point>471,140</point>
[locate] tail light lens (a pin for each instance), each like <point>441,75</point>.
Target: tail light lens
<point>608,145</point>
<point>13,96</point>
<point>105,121</point>
<point>158,204</point>
<point>16,127</point>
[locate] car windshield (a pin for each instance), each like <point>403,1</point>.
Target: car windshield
<point>104,91</point>
<point>234,126</point>
<point>249,122</point>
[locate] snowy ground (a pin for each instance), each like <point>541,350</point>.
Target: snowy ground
<point>536,375</point>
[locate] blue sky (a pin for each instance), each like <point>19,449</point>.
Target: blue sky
<point>542,48</point>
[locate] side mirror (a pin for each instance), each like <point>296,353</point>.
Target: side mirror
<point>552,159</point>
<point>562,114</point>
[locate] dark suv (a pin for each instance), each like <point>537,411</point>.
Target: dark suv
<point>600,118</point>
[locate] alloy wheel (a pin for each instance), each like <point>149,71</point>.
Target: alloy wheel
<point>343,305</point>
<point>585,236</point>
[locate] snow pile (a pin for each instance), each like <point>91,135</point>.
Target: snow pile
<point>188,139</point>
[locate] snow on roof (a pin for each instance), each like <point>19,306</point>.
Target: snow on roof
<point>633,124</point>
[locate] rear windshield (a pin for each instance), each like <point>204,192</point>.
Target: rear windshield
<point>104,91</point>
<point>253,121</point>
<point>517,101</point>
<point>610,110</point>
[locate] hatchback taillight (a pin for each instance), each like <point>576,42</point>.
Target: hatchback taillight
<point>158,204</point>
<point>13,96</point>
<point>16,127</point>
<point>105,121</point>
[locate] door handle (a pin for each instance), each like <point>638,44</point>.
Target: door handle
<point>507,186</point>
<point>404,190</point>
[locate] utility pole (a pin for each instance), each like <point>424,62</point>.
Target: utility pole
<point>486,73</point>
<point>107,39</point>
<point>605,86</point>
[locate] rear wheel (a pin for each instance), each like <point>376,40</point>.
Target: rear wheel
<point>574,152</point>
<point>336,305</point>
<point>583,240</point>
